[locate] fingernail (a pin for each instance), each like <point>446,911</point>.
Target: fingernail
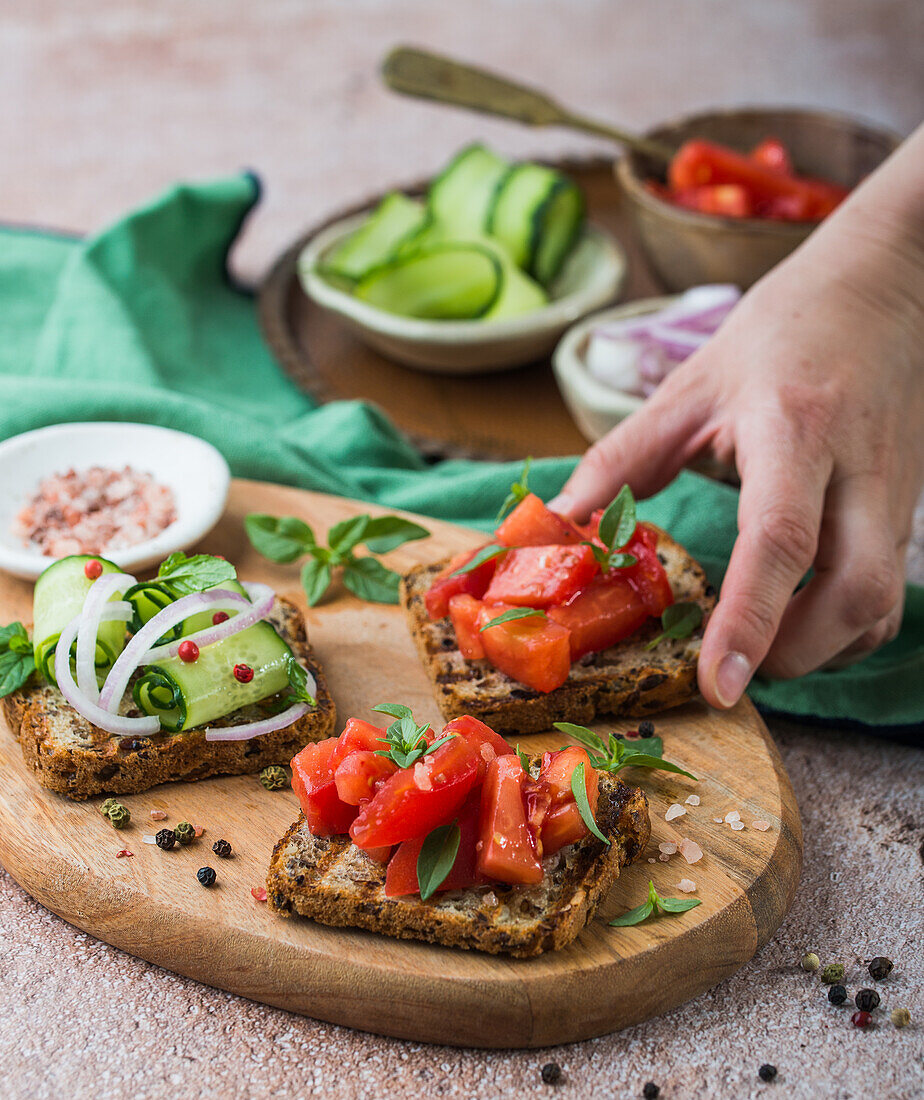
<point>561,503</point>
<point>732,678</point>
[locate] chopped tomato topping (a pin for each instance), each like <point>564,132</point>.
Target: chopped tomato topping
<point>772,153</point>
<point>401,877</point>
<point>360,775</point>
<point>648,577</point>
<point>506,848</point>
<point>600,615</point>
<point>313,782</point>
<point>357,735</point>
<point>563,825</point>
<point>489,743</point>
<point>464,611</point>
<point>445,585</point>
<point>536,651</point>
<point>540,576</point>
<point>531,523</point>
<point>557,769</point>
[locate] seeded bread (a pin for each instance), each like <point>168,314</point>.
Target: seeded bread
<point>72,756</point>
<point>333,882</point>
<point>626,679</point>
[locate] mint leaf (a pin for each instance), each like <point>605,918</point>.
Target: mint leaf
<point>281,539</point>
<point>589,738</point>
<point>632,759</point>
<point>405,739</point>
<point>519,490</point>
<point>386,533</point>
<point>615,754</point>
<point>654,904</point>
<point>437,856</point>
<point>621,561</point>
<point>298,683</point>
<point>514,613</point>
<point>316,577</point>
<point>182,576</point>
<point>617,524</point>
<point>396,710</point>
<point>346,534</point>
<point>486,553</point>
<point>634,916</point>
<point>370,580</point>
<point>677,905</point>
<point>653,746</point>
<point>678,621</point>
<point>579,790</point>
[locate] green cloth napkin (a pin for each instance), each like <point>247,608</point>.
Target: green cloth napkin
<point>142,323</point>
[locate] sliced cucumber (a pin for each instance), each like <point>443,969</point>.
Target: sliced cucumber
<point>461,196</point>
<point>59,596</point>
<point>537,214</point>
<point>444,281</point>
<point>189,694</point>
<point>377,241</point>
<point>150,597</point>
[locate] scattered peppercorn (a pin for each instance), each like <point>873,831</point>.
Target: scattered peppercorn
<point>119,815</point>
<point>93,570</point>
<point>651,1091</point>
<point>220,617</point>
<point>810,962</point>
<point>165,839</point>
<point>184,832</point>
<point>551,1073</point>
<point>274,777</point>
<point>188,651</point>
<point>837,994</point>
<point>646,728</point>
<point>222,849</point>
<point>206,875</point>
<point>880,968</point>
<point>901,1017</point>
<point>861,1019</point>
<point>767,1072</point>
<point>243,674</point>
<point>108,804</point>
<point>866,1000</point>
<point>833,972</point>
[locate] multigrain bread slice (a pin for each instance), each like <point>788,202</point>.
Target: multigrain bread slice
<point>73,757</point>
<point>627,679</point>
<point>333,882</point>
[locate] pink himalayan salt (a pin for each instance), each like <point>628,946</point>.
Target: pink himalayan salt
<point>692,800</point>
<point>760,826</point>
<point>686,885</point>
<point>673,811</point>
<point>690,850</point>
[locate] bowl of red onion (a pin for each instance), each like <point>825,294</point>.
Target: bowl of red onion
<point>609,363</point>
<point>132,493</point>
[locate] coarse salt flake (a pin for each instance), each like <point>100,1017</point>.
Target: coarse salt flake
<point>158,815</point>
<point>732,815</point>
<point>149,839</point>
<point>686,885</point>
<point>737,826</point>
<point>690,850</point>
<point>674,810</point>
<point>422,780</point>
<point>663,857</point>
<point>760,826</point>
<point>668,847</point>
<point>198,830</point>
<point>651,859</point>
<point>692,800</point>
<point>717,820</point>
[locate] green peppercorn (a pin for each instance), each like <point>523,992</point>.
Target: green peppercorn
<point>119,816</point>
<point>165,839</point>
<point>108,806</point>
<point>184,832</point>
<point>866,1000</point>
<point>274,777</point>
<point>880,968</point>
<point>206,875</point>
<point>901,1017</point>
<point>222,849</point>
<point>810,962</point>
<point>837,994</point>
<point>833,972</point>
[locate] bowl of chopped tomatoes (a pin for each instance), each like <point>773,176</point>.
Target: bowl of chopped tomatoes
<point>743,188</point>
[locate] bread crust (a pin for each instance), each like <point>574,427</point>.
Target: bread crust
<point>73,757</point>
<point>626,680</point>
<point>331,881</point>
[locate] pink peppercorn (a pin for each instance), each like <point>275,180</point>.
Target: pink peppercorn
<point>243,674</point>
<point>188,651</point>
<point>93,570</point>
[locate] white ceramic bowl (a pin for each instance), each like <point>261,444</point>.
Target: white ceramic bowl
<point>192,468</point>
<point>592,276</point>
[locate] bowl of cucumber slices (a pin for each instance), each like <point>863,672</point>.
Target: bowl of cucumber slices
<point>484,271</point>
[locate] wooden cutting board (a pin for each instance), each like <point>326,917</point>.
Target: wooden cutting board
<point>151,905</point>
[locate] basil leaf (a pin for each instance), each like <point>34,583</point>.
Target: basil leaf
<point>437,855</point>
<point>621,561</point>
<point>519,490</point>
<point>315,577</point>
<point>587,737</point>
<point>579,790</point>
<point>346,534</point>
<point>370,580</point>
<point>634,916</point>
<point>20,645</point>
<point>298,683</point>
<point>11,632</point>
<point>182,575</point>
<point>15,670</point>
<point>653,746</point>
<point>678,905</point>
<point>643,760</point>
<point>524,759</point>
<point>678,621</point>
<point>281,539</point>
<point>514,613</point>
<point>602,555</point>
<point>437,744</point>
<point>396,710</point>
<point>386,533</point>
<point>617,524</point>
<point>486,553</point>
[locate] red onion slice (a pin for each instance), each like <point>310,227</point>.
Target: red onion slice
<point>93,712</point>
<point>262,595</point>
<point>101,591</point>
<point>267,725</point>
<point>133,654</point>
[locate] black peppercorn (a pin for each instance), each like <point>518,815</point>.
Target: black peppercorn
<point>880,968</point>
<point>646,729</point>
<point>651,1091</point>
<point>165,839</point>
<point>222,848</point>
<point>766,1072</point>
<point>206,875</point>
<point>866,1000</point>
<point>551,1073</point>
<point>837,994</point>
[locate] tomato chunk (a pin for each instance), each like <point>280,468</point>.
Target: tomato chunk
<point>536,651</point>
<point>401,876</point>
<point>313,782</point>
<point>506,852</point>
<point>464,611</point>
<point>357,736</point>
<point>600,615</point>
<point>563,825</point>
<point>488,743</point>
<point>648,576</point>
<point>729,200</point>
<point>772,153</point>
<point>531,523</point>
<point>413,801</point>
<point>539,576</point>
<point>445,585</point>
<point>360,775</point>
<point>557,769</point>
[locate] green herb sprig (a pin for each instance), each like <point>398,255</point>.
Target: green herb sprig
<point>181,575</point>
<point>616,528</point>
<point>407,741</point>
<point>486,553</point>
<point>297,691</point>
<point>524,759</point>
<point>512,614</point>
<point>579,790</point>
<point>283,539</point>
<point>437,857</point>
<point>519,491</point>
<point>614,754</point>
<point>654,904</point>
<point>16,660</point>
<point>678,621</point>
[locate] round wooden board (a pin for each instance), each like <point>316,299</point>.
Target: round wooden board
<point>151,905</point>
<point>479,416</point>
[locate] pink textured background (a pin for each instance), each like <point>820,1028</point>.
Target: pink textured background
<point>103,104</point>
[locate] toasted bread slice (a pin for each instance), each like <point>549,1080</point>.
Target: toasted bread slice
<point>627,679</point>
<point>72,756</point>
<point>333,882</point>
